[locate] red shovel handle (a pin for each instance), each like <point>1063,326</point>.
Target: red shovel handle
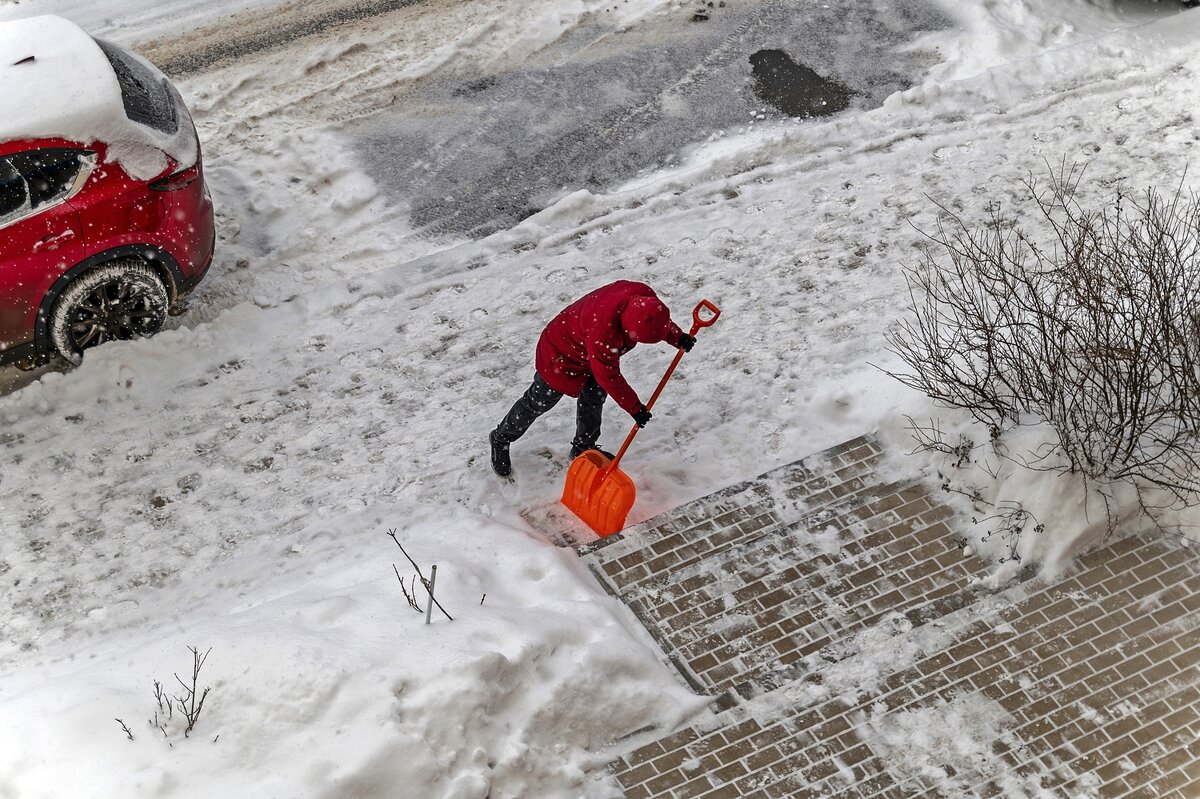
<point>698,322</point>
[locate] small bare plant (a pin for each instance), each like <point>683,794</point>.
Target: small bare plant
<point>163,701</point>
<point>164,709</point>
<point>409,596</point>
<point>1008,522</point>
<point>191,703</point>
<point>930,438</point>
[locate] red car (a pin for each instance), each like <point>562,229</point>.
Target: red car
<point>105,219</point>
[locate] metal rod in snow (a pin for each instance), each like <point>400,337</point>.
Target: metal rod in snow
<point>392,535</point>
<point>432,580</point>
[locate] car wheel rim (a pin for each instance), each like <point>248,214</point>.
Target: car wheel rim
<point>117,310</point>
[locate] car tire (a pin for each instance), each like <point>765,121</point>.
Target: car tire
<point>120,300</point>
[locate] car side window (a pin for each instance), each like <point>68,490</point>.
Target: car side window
<point>14,192</point>
<point>50,174</point>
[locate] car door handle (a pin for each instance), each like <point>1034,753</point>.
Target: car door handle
<point>55,241</point>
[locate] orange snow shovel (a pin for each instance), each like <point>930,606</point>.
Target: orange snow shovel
<point>597,491</point>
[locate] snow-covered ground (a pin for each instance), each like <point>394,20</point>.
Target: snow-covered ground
<point>126,17</point>
<point>230,483</point>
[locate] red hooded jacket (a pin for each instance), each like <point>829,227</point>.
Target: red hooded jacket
<point>591,334</point>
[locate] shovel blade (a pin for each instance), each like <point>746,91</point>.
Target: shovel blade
<point>601,499</point>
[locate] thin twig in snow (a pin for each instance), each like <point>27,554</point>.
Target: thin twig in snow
<point>392,534</point>
<point>411,598</point>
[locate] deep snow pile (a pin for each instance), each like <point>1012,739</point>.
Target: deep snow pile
<point>324,682</point>
<point>230,484</point>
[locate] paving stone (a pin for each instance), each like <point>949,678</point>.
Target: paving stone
<point>1099,670</point>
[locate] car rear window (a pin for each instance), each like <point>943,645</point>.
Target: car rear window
<point>147,97</point>
<point>50,173</point>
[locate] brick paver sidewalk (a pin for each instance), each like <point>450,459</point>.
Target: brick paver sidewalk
<point>852,650</point>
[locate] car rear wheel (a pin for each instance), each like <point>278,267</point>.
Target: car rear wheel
<point>118,301</point>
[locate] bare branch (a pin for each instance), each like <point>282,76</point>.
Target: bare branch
<point>392,534</point>
<point>930,438</point>
<point>411,598</point>
<point>163,701</point>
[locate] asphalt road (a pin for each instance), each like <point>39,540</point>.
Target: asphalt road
<point>601,106</point>
<point>467,153</point>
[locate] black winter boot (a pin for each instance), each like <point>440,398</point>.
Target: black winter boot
<point>500,460</point>
<point>578,449</point>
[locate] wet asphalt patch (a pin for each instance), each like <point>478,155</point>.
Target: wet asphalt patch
<point>794,89</point>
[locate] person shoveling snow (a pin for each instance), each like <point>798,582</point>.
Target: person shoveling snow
<point>579,355</point>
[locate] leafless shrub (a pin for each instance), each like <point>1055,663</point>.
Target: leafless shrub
<point>191,703</point>
<point>163,700</point>
<point>1095,333</point>
<point>164,710</point>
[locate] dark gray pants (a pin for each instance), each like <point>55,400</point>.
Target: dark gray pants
<point>539,398</point>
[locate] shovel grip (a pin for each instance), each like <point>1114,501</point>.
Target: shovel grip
<point>698,321</point>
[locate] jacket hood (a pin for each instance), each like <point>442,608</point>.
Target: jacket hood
<point>645,320</point>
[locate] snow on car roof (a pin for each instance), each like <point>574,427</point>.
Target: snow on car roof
<point>55,81</point>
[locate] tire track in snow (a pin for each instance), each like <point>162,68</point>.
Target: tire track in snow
<point>252,32</point>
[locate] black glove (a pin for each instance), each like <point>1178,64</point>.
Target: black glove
<point>642,416</point>
<point>686,342</point>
